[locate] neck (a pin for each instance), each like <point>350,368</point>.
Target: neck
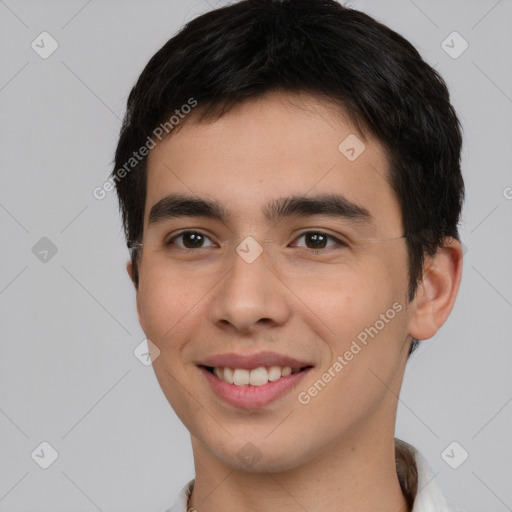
<point>351,476</point>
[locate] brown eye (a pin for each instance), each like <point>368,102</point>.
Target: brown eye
<point>318,240</point>
<point>190,240</point>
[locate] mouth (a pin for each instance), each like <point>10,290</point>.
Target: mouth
<point>253,377</point>
<point>254,388</point>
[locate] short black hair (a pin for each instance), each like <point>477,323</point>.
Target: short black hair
<point>246,49</point>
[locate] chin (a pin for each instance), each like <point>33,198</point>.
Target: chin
<point>257,456</point>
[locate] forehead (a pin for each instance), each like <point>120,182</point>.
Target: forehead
<point>275,146</point>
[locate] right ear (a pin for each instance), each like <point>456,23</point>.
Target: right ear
<point>129,269</point>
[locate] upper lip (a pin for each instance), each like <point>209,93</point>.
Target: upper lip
<point>251,361</point>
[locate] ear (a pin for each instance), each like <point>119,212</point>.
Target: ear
<point>436,293</point>
<point>129,269</point>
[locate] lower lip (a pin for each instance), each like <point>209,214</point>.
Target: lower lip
<point>248,397</point>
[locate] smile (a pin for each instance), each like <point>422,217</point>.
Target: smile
<point>256,377</point>
<point>249,389</point>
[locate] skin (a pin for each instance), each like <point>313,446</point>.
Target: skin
<point>336,452</point>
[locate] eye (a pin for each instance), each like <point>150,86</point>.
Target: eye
<point>191,240</point>
<point>315,240</point>
<point>318,240</point>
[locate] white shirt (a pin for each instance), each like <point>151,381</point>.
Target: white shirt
<point>414,473</point>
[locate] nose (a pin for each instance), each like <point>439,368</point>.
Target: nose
<point>250,297</point>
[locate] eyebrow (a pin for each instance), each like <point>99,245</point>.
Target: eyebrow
<point>329,205</point>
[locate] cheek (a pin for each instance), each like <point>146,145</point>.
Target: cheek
<point>352,295</point>
<point>349,304</point>
<point>163,301</point>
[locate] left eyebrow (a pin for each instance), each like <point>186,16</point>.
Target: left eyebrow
<point>329,205</point>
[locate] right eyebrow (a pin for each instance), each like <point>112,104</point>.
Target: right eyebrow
<point>180,205</point>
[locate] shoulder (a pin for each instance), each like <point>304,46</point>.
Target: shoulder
<point>181,502</point>
<point>416,475</point>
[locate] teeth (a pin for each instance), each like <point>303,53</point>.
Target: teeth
<point>228,375</point>
<point>241,377</point>
<point>274,373</point>
<point>257,377</point>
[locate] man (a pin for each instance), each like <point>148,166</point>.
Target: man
<point>289,179</point>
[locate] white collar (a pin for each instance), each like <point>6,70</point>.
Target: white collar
<point>428,496</point>
<point>414,473</point>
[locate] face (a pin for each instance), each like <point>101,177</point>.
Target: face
<point>321,279</point>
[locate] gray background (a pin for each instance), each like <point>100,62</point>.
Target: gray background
<point>68,375</point>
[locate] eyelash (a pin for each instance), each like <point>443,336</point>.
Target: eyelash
<point>340,243</point>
